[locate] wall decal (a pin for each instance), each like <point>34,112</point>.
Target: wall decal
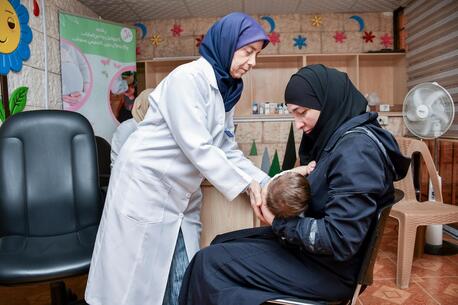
<point>176,30</point>
<point>199,40</point>
<point>300,42</point>
<point>386,40</point>
<point>360,22</point>
<point>14,47</point>
<point>270,21</point>
<point>36,8</point>
<point>156,40</point>
<point>142,28</point>
<point>368,37</point>
<point>274,37</point>
<point>340,37</point>
<point>317,21</point>
<point>16,103</point>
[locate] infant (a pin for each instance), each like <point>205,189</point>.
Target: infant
<point>288,193</point>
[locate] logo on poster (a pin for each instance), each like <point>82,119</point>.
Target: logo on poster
<point>126,35</point>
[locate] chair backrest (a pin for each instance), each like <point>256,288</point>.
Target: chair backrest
<point>48,174</point>
<point>372,244</point>
<point>103,160</point>
<point>409,147</point>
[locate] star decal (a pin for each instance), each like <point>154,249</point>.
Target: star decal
<point>156,40</point>
<point>176,30</point>
<point>317,21</point>
<point>300,42</point>
<point>368,37</point>
<point>340,37</point>
<point>274,37</point>
<point>386,40</point>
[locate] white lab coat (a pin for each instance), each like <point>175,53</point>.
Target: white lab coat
<point>155,187</point>
<point>124,130</point>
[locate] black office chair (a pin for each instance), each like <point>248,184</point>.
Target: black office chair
<point>50,203</point>
<point>103,160</point>
<point>365,276</point>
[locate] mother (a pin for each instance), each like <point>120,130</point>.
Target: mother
<point>320,254</point>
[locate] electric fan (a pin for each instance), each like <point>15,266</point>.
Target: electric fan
<point>428,112</point>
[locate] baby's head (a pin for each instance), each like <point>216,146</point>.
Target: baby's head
<point>288,195</point>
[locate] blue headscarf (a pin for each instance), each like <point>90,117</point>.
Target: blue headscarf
<point>229,34</point>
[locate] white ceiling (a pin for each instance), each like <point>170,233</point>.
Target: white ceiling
<point>141,10</point>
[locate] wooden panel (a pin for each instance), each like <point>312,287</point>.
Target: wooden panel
<point>384,75</point>
<point>158,70</point>
<point>270,77</point>
<point>448,170</point>
<point>141,77</point>
<point>344,63</point>
<point>218,215</point>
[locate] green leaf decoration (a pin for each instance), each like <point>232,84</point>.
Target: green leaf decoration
<point>18,100</point>
<point>2,112</point>
<point>253,150</point>
<point>275,167</point>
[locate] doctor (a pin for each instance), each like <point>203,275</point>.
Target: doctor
<point>150,225</point>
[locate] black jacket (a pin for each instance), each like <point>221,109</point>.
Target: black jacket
<point>353,178</point>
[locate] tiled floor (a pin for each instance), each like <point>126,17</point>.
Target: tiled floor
<point>434,279</point>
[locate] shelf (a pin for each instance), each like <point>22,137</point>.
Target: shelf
<point>264,118</point>
<point>383,73</point>
<point>390,114</point>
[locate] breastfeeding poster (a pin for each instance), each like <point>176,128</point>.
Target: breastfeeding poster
<point>97,66</point>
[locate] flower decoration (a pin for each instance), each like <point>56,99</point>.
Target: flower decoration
<point>15,36</point>
<point>274,37</point>
<point>176,30</point>
<point>156,40</point>
<point>368,37</point>
<point>199,40</point>
<point>340,37</point>
<point>300,42</point>
<point>386,40</point>
<point>317,21</point>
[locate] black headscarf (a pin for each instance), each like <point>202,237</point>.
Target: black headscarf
<point>329,91</point>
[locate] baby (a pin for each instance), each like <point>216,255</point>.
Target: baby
<point>288,193</point>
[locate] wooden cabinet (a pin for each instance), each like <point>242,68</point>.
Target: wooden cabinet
<point>219,215</point>
<point>381,73</point>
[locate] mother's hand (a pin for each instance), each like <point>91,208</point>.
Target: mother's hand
<point>254,191</point>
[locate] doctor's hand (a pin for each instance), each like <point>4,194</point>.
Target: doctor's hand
<point>254,191</point>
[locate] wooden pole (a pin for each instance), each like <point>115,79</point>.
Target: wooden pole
<point>4,82</point>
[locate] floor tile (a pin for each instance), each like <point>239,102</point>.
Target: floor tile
<point>444,289</point>
<point>384,292</point>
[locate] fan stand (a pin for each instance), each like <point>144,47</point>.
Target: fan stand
<point>435,232</point>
